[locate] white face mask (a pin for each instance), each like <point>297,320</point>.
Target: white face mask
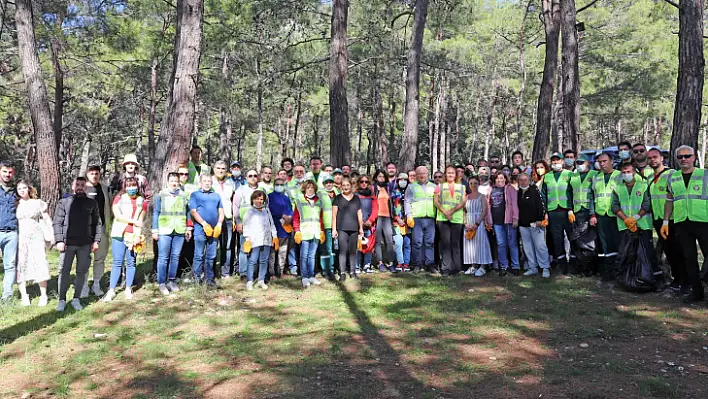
<point>582,168</point>
<point>597,165</point>
<point>403,184</point>
<point>279,189</point>
<point>236,173</point>
<point>624,154</point>
<point>524,187</point>
<point>627,177</point>
<point>310,196</point>
<point>557,167</point>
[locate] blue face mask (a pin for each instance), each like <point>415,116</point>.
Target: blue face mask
<point>624,154</point>
<point>132,191</point>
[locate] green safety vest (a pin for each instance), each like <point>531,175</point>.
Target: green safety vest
<point>631,204</point>
<point>268,188</point>
<point>690,203</point>
<point>581,190</point>
<point>448,201</point>
<point>189,188</point>
<point>245,203</point>
<point>195,172</point>
<point>422,205</point>
<point>603,194</point>
<point>657,192</point>
<point>326,208</point>
<point>309,217</point>
<point>646,174</point>
<point>173,213</point>
<point>557,189</point>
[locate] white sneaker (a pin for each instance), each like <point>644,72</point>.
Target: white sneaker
<point>43,300</point>
<point>305,283</point>
<point>85,291</point>
<point>546,273</point>
<point>262,285</point>
<point>96,289</point>
<point>128,293</point>
<point>163,289</point>
<point>480,272</point>
<point>249,285</point>
<point>109,296</point>
<point>531,272</point>
<point>76,304</point>
<point>26,300</point>
<point>470,271</point>
<point>315,281</point>
<point>172,286</point>
<point>61,306</point>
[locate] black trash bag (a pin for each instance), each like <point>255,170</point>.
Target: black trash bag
<point>635,272</point>
<point>583,236</point>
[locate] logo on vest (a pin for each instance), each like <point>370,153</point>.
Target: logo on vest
<point>638,193</point>
<point>696,188</point>
<point>662,188</point>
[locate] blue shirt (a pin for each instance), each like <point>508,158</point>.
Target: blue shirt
<point>8,218</point>
<point>207,205</point>
<point>279,205</point>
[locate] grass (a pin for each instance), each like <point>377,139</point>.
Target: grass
<point>382,336</point>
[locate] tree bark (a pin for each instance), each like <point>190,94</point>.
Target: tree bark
<point>551,20</point>
<point>570,74</point>
<point>409,146</point>
<point>689,85</point>
<point>490,117</point>
<point>47,152</point>
<point>340,149</point>
<point>178,123</point>
<point>56,45</point>
<point>379,121</point>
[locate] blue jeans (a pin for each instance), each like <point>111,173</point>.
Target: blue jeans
<point>202,245</point>
<point>226,244</point>
<point>260,256</point>
<point>324,250</point>
<point>121,252</point>
<point>169,248</point>
<point>8,247</point>
<point>507,244</point>
<point>308,249</point>
<point>367,257</point>
<point>402,245</point>
<point>242,257</point>
<point>534,239</point>
<point>423,253</point>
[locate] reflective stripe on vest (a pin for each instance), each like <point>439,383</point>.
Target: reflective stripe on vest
<point>657,193</point>
<point>245,203</point>
<point>690,203</point>
<point>448,201</point>
<point>557,189</point>
<point>309,217</point>
<point>326,208</point>
<point>581,190</point>
<point>603,194</point>
<point>173,213</point>
<point>126,210</point>
<point>422,205</point>
<point>631,204</point>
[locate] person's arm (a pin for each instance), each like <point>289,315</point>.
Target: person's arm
<point>668,207</point>
<point>646,204</point>
<point>374,210</point>
<point>407,200</point>
<point>569,194</point>
<point>221,213</point>
<point>461,205</point>
<point>156,214</point>
<point>58,222</point>
<point>296,221</point>
<point>436,199</point>
<point>247,224</point>
<point>360,218</point>
<point>335,211</point>
<point>142,212</point>
<point>488,216</point>
<point>544,195</point>
<point>616,208</point>
<point>513,196</point>
<point>591,204</point>
<point>273,230</point>
<point>237,207</point>
<point>539,201</point>
<point>96,225</point>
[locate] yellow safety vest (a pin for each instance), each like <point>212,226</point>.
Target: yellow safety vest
<point>448,201</point>
<point>603,193</point>
<point>631,204</point>
<point>690,203</point>
<point>557,189</point>
<point>173,212</point>
<point>422,205</point>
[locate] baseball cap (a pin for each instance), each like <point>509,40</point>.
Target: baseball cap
<point>557,155</point>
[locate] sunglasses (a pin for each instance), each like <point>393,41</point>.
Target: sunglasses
<point>639,151</point>
<point>579,162</point>
<point>249,176</point>
<point>364,182</point>
<point>685,156</point>
<point>184,174</point>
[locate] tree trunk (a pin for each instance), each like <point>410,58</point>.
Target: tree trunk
<point>340,150</point>
<point>409,145</point>
<point>47,153</point>
<point>259,143</point>
<point>475,133</point>
<point>391,123</point>
<point>432,99</point>
<point>521,46</point>
<point>224,139</point>
<point>56,45</point>
<point>435,136</point>
<point>85,156</point>
<point>551,19</point>
<point>178,123</point>
<point>381,126</point>
<point>689,85</point>
<point>570,74</point>
<point>297,121</point>
<point>359,126</point>
<point>153,107</point>
<point>490,118</point>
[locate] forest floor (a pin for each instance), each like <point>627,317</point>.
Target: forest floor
<point>383,336</point>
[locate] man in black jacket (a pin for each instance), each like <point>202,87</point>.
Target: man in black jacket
<point>77,232</point>
<point>532,224</point>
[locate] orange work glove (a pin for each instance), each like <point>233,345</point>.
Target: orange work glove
<point>217,231</point>
<point>571,217</point>
<point>358,244</point>
<point>544,223</point>
<point>208,230</point>
<point>410,222</point>
<point>469,234</point>
<point>633,228</point>
<point>298,238</point>
<point>247,246</point>
<point>288,227</point>
<point>629,222</point>
<point>403,229</point>
<point>276,243</point>
<point>323,237</point>
<point>664,231</point>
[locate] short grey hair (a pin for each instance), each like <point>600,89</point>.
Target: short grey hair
<point>221,163</point>
<point>685,147</point>
<point>204,176</point>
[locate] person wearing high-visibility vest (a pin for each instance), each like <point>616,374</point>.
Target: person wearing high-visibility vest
<point>324,250</point>
<point>196,166</point>
<point>687,201</point>
<point>207,212</point>
<point>449,199</point>
<point>658,187</point>
<point>605,220</point>
<point>640,161</point>
<point>241,204</point>
<point>222,185</point>
<point>292,188</point>
<point>557,194</point>
<point>420,216</point>
<point>309,230</point>
<point>129,209</point>
<point>170,213</point>
<point>266,182</point>
<point>584,236</point>
<point>631,205</point>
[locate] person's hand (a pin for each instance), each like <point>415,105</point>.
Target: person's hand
<point>298,237</point>
<point>335,234</point>
<point>489,227</point>
<point>247,246</point>
<point>367,224</point>
<point>448,215</point>
<point>410,222</point>
<point>664,231</point>
<point>361,233</point>
<point>629,222</point>
<point>544,222</point>
<point>138,223</point>
<point>233,227</point>
<point>276,243</point>
<point>239,228</point>
<point>217,231</point>
<point>593,220</point>
<point>155,236</point>
<point>94,247</point>
<point>571,217</point>
<point>188,235</point>
<point>515,224</point>
<point>399,221</point>
<point>468,227</point>
<point>208,230</point>
<point>323,237</point>
<point>61,246</point>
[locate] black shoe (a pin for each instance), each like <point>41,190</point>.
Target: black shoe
<point>515,272</point>
<point>243,279</point>
<point>211,284</point>
<point>330,276</point>
<point>354,276</point>
<point>502,272</point>
<point>434,270</point>
<point>445,273</point>
<point>342,277</point>
<point>416,269</point>
<point>675,286</point>
<point>693,297</point>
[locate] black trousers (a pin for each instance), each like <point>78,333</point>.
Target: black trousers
<point>688,233</point>
<point>672,248</point>
<point>558,224</point>
<point>450,243</point>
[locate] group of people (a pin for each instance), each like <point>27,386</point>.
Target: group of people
<point>217,222</point>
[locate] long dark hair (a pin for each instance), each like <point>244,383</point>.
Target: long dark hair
<point>125,185</point>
